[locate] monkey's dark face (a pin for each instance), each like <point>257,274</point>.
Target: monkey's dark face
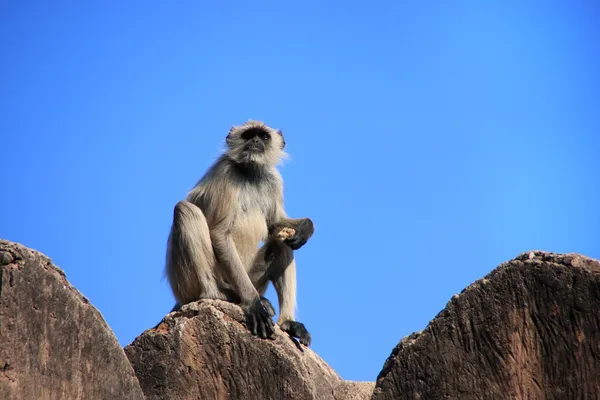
<point>255,142</point>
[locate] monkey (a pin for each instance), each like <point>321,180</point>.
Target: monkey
<point>213,246</point>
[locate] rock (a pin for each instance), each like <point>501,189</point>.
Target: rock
<point>350,390</point>
<point>53,343</point>
<point>5,258</point>
<point>203,351</point>
<point>528,330</point>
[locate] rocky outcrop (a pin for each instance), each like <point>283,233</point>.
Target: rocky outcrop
<point>351,390</point>
<point>528,330</point>
<point>53,343</point>
<point>204,351</point>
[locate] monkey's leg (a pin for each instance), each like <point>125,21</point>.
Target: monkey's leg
<point>275,263</point>
<point>191,261</point>
<point>285,285</point>
<point>272,257</point>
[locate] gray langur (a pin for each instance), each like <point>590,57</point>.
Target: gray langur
<point>213,246</point>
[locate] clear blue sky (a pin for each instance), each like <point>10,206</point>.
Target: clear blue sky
<point>430,142</point>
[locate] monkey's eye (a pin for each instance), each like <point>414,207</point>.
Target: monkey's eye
<point>265,136</point>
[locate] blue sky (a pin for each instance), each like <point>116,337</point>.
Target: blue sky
<point>430,142</point>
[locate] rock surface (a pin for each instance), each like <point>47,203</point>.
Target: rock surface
<point>350,390</point>
<point>53,343</point>
<point>528,330</point>
<point>203,351</point>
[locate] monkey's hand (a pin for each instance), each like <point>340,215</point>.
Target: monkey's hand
<point>258,317</point>
<point>293,232</point>
<point>286,233</point>
<point>304,230</point>
<point>297,330</point>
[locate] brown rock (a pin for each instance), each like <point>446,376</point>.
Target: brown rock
<point>351,390</point>
<point>203,351</point>
<point>53,343</point>
<point>528,330</point>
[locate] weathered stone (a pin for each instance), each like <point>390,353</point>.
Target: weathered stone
<point>528,330</point>
<point>5,258</point>
<point>203,351</point>
<point>351,390</point>
<point>53,343</point>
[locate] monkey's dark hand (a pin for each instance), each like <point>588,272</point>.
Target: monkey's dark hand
<point>258,318</point>
<point>304,230</point>
<point>297,330</point>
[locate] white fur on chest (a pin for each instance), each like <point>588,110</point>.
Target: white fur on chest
<point>250,224</point>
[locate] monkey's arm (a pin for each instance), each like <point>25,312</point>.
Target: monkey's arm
<point>218,199</point>
<point>258,310</point>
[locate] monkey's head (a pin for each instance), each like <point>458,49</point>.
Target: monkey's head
<point>255,142</point>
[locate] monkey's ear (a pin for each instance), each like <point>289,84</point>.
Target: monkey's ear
<point>280,132</point>
<point>230,135</point>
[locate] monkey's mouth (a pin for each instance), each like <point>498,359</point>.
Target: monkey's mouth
<point>254,148</point>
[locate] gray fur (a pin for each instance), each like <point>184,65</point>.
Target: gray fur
<point>212,248</point>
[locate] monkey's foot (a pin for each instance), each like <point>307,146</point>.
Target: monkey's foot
<point>296,329</point>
